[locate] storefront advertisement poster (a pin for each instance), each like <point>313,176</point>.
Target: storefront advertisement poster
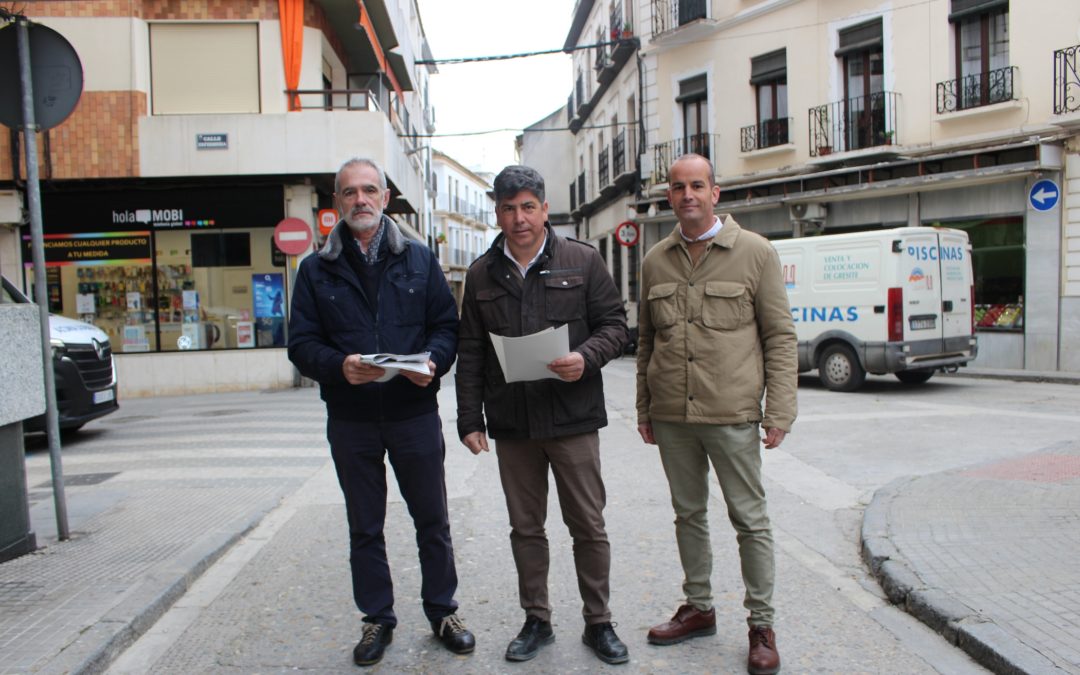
<point>84,303</point>
<point>269,295</point>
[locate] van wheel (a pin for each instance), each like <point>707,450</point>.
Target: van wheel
<point>839,368</point>
<point>914,376</point>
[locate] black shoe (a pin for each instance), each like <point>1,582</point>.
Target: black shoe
<point>453,634</point>
<point>534,634</point>
<point>601,638</point>
<point>370,649</point>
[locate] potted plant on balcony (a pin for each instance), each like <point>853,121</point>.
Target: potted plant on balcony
<point>614,32</point>
<point>887,137</point>
<point>824,149</point>
<point>440,238</point>
<point>627,31</point>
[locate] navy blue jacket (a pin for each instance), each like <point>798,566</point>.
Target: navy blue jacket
<point>331,320</point>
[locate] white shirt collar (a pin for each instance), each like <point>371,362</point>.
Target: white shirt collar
<point>712,232</point>
<point>524,270</point>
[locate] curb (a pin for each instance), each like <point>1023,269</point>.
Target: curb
<point>960,625</point>
<point>121,626</point>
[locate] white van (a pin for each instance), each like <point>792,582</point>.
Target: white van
<point>888,301</point>
<point>82,365</point>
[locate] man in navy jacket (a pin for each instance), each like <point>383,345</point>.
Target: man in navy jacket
<point>371,290</point>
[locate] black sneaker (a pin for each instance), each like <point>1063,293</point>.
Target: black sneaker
<point>534,634</point>
<point>369,650</point>
<point>601,638</point>
<point>453,634</point>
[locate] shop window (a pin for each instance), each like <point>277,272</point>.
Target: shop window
<point>998,260</point>
<point>219,290</point>
<point>199,68</point>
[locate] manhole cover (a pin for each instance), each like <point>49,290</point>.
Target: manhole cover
<point>82,479</point>
<point>220,413</point>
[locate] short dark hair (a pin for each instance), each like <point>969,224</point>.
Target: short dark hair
<point>694,155</point>
<point>517,178</point>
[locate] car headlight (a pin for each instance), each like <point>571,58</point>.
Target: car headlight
<point>58,348</point>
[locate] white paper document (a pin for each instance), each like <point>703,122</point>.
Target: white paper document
<point>526,358</point>
<point>395,363</point>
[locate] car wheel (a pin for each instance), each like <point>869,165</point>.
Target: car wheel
<point>914,376</point>
<point>839,368</point>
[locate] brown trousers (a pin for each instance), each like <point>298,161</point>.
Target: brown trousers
<point>575,462</point>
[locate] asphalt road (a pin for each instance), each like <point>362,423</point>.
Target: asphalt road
<point>280,600</point>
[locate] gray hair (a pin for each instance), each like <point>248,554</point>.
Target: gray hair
<point>516,178</point>
<point>361,161</point>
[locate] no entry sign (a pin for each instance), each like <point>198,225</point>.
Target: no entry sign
<point>292,236</point>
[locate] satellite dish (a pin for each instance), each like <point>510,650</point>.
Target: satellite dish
<point>55,71</point>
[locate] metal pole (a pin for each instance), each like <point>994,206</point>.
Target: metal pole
<point>41,294</point>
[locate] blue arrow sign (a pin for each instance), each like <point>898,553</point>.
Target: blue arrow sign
<point>1044,195</point>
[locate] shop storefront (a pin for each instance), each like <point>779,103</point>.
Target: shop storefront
<point>182,269</point>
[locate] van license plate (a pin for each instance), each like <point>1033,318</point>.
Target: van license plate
<point>923,323</point>
<point>104,396</point>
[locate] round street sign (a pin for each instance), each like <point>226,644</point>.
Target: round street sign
<point>1043,195</point>
<point>292,236</point>
<point>627,233</point>
<point>327,220</point>
<point>55,74</point>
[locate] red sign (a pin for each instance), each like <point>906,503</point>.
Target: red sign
<point>327,220</point>
<point>627,233</point>
<point>292,236</point>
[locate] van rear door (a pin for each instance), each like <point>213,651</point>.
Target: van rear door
<point>955,265</point>
<point>920,278</point>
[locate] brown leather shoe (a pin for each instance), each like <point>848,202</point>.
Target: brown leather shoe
<point>688,622</point>
<point>763,658</point>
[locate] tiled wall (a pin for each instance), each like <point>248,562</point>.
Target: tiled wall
<point>99,140</point>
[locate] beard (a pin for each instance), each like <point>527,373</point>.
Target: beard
<point>363,221</point>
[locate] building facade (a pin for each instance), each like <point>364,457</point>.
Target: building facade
<point>604,114</point>
<point>826,116</point>
<point>463,217</point>
<point>546,146</point>
<point>201,126</point>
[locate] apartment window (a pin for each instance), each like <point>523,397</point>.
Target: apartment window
<point>864,101</point>
<point>768,75</point>
<point>693,98</point>
<point>204,68</point>
<point>616,267</point>
<point>982,51</point>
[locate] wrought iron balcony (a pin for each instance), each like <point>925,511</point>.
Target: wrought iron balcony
<point>666,153</point>
<point>1066,81</point>
<point>854,123</point>
<point>616,20</point>
<point>618,153</point>
<point>974,91</point>
<point>670,14</point>
<point>602,174</point>
<point>765,134</point>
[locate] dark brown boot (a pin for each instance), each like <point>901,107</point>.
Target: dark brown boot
<point>688,622</point>
<point>763,658</point>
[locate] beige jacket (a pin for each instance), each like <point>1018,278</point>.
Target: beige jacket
<point>714,339</point>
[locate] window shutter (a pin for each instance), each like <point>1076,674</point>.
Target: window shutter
<point>962,9</point>
<point>771,66</point>
<point>695,87</point>
<point>860,38</point>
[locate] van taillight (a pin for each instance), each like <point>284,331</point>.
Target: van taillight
<point>895,315</point>
<point>971,309</point>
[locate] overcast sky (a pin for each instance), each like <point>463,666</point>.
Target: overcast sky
<point>515,93</point>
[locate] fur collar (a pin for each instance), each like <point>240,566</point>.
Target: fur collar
<point>334,242</point>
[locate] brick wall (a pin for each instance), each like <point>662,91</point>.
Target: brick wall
<point>98,140</point>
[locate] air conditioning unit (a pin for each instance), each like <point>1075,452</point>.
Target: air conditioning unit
<point>807,211</point>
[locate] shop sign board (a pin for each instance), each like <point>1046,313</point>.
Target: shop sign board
<point>293,236</point>
<point>99,248</point>
<point>212,141</point>
<point>327,219</point>
<point>1044,195</point>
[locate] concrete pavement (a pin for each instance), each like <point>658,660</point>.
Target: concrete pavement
<point>225,509</point>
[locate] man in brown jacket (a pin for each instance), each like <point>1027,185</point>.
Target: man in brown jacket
<point>715,337</point>
<point>529,280</point>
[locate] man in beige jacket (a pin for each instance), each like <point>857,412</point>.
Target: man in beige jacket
<point>715,337</point>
